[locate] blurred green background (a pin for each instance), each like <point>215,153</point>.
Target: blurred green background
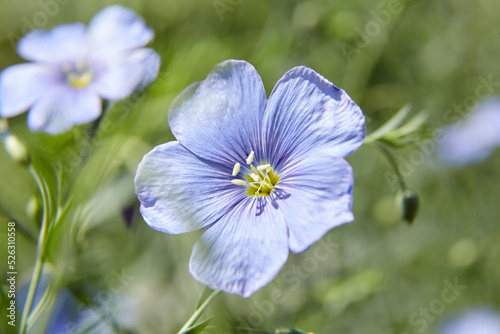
<point>374,275</point>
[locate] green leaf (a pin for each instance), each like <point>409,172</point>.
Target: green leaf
<point>390,125</point>
<point>411,127</point>
<point>197,328</point>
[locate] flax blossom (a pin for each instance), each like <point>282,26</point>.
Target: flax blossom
<point>474,138</point>
<point>259,177</point>
<point>473,321</point>
<point>73,67</point>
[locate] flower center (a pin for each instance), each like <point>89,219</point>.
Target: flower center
<point>260,181</point>
<point>78,75</point>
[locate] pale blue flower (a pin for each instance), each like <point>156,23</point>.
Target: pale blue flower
<point>474,321</point>
<point>73,67</point>
<point>474,138</point>
<point>259,177</point>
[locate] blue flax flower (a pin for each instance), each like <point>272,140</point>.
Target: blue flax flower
<point>474,138</point>
<point>473,321</point>
<point>73,67</point>
<point>258,176</point>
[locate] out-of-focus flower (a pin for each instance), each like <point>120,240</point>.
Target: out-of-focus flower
<point>73,67</point>
<point>259,177</point>
<point>68,315</point>
<point>474,138</point>
<point>474,321</point>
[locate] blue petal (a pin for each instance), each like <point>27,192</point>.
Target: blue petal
<point>307,112</point>
<point>66,42</point>
<point>116,29</point>
<point>63,107</point>
<point>21,85</point>
<point>476,321</point>
<point>242,252</point>
<point>181,193</point>
<point>474,138</point>
<point>121,76</point>
<point>320,198</point>
<point>219,117</point>
<point>151,61</point>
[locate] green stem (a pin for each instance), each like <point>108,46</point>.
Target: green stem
<point>40,250</point>
<point>391,159</point>
<point>199,311</point>
<point>106,107</point>
<point>46,301</point>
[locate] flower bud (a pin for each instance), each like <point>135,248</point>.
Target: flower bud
<point>33,209</point>
<point>16,149</point>
<point>409,203</point>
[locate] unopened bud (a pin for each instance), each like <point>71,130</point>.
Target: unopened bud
<point>409,203</point>
<point>16,149</point>
<point>34,209</point>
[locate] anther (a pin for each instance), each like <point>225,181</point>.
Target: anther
<point>255,177</point>
<point>250,158</point>
<point>263,167</point>
<point>238,182</point>
<point>236,169</point>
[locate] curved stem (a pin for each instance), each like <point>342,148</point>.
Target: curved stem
<point>199,311</point>
<point>40,250</point>
<point>392,161</point>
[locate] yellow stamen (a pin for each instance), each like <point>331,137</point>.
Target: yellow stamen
<point>236,169</point>
<point>79,80</point>
<point>255,177</point>
<point>239,182</point>
<point>263,167</point>
<point>261,181</point>
<point>250,158</point>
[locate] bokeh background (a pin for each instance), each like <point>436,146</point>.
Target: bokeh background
<point>374,275</point>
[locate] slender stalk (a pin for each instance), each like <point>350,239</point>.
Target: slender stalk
<point>40,250</point>
<point>47,300</point>
<point>199,311</point>
<point>392,161</point>
<point>106,107</point>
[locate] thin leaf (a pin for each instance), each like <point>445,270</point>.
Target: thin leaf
<point>413,125</point>
<point>390,125</point>
<point>196,329</point>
